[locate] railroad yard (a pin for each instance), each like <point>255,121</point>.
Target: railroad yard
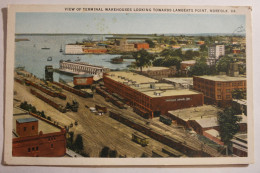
<point>103,130</point>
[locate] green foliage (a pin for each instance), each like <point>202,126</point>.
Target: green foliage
<point>200,68</point>
<point>167,62</point>
<point>107,152</point>
<point>203,48</point>
<point>150,42</point>
<point>223,64</point>
<point>49,118</point>
<point>228,124</point>
<point>78,144</point>
<point>144,155</point>
<point>190,54</point>
<point>143,58</point>
<point>239,94</point>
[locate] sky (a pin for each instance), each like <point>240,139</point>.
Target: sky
<point>131,23</point>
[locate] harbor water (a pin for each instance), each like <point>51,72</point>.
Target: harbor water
<point>29,54</point>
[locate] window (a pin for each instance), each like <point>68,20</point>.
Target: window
<point>37,148</point>
<point>32,148</point>
<point>51,145</point>
<point>228,97</point>
<point>32,127</point>
<point>219,96</point>
<point>29,149</point>
<point>24,129</point>
<point>219,84</point>
<point>228,90</point>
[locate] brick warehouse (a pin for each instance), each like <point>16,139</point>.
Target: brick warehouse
<point>34,136</point>
<point>148,97</point>
<point>218,89</point>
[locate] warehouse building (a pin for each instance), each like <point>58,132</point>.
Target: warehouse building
<point>147,96</point>
<point>185,83</point>
<point>218,89</point>
<point>34,136</point>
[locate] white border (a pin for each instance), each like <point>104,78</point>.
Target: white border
<point>93,161</point>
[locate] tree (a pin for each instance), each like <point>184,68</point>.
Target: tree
<point>143,58</point>
<point>104,152</point>
<point>78,144</point>
<point>239,94</point>
<point>200,68</point>
<point>223,64</point>
<point>150,42</point>
<point>228,124</point>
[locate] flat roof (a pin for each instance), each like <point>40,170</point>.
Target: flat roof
<point>138,79</point>
<point>205,111</point>
<point>213,132</point>
<point>43,126</point>
<point>189,62</point>
<point>148,86</point>
<point>26,120</point>
<point>208,122</point>
<point>186,80</point>
<point>152,69</point>
<point>222,78</point>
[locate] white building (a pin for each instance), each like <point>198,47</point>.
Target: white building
<point>214,52</point>
<point>73,49</point>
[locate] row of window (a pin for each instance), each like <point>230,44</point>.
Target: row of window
<point>33,149</point>
<point>25,128</point>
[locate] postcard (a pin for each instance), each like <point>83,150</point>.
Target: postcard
<point>110,85</point>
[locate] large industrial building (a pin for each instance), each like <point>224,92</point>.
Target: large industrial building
<point>218,89</point>
<point>147,96</point>
<point>34,136</point>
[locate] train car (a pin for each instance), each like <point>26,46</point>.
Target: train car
<point>102,108</point>
<point>157,153</point>
<point>166,120</point>
<point>136,137</point>
<point>172,152</point>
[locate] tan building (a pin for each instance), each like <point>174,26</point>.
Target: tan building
<point>158,72</point>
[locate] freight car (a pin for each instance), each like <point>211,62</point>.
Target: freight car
<point>157,153</point>
<point>172,153</point>
<point>50,102</point>
<point>110,98</point>
<point>101,108</point>
<point>72,90</point>
<point>166,120</point>
<point>177,144</point>
<point>136,137</point>
<point>19,80</point>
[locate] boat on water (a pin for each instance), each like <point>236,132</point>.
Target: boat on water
<point>78,59</point>
<point>45,48</point>
<point>61,49</point>
<point>49,58</point>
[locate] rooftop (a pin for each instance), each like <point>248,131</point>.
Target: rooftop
<point>26,120</point>
<point>194,113</point>
<point>152,69</point>
<point>148,86</point>
<point>222,78</point>
<point>187,80</point>
<point>213,132</point>
<point>189,62</point>
<point>43,126</point>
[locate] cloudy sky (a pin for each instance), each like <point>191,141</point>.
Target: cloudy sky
<point>131,23</point>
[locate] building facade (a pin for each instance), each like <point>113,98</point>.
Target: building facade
<point>81,68</point>
<point>140,46</point>
<point>34,136</point>
<point>148,97</point>
<point>218,89</point>
<point>158,72</point>
<point>214,53</point>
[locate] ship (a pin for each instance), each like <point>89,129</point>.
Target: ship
<point>49,58</point>
<point>78,59</point>
<point>61,48</point>
<point>44,48</point>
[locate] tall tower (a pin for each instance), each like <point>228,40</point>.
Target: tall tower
<point>49,73</point>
